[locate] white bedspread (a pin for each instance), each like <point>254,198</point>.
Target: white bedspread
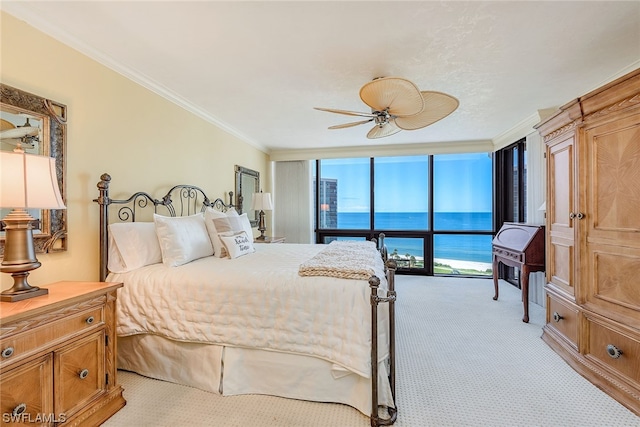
<point>256,301</point>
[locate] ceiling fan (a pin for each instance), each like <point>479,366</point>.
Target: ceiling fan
<point>25,135</point>
<point>397,104</point>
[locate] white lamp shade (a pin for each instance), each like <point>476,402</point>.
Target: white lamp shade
<point>261,202</point>
<point>28,181</point>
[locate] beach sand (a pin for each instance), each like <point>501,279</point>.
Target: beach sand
<point>456,263</point>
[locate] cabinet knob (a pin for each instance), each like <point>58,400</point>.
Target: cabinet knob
<point>557,317</point>
<point>83,374</point>
<point>614,351</point>
<point>7,352</point>
<point>580,215</point>
<point>90,320</point>
<point>19,410</point>
<point>572,215</point>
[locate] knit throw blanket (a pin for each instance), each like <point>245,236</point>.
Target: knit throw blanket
<point>345,259</point>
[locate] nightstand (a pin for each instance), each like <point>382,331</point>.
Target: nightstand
<point>58,356</point>
<point>270,240</point>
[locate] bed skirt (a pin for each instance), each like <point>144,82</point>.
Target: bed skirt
<point>233,371</point>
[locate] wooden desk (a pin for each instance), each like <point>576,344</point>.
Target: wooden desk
<point>522,246</point>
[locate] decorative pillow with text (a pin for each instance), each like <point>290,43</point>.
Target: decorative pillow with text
<point>236,244</point>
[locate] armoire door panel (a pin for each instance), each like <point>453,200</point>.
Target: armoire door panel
<point>613,181</point>
<point>561,188</point>
<point>613,279</point>
<point>561,267</point>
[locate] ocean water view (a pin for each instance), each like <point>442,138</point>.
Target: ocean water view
<point>469,247</point>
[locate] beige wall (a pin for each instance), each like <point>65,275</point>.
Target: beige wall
<point>142,140</point>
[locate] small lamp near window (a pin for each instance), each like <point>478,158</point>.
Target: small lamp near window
<point>27,181</point>
<point>261,202</point>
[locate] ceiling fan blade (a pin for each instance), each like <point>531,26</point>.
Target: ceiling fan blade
<point>4,125</point>
<point>15,142</point>
<point>348,125</point>
<point>437,106</point>
<point>386,129</point>
<point>398,96</point>
<point>348,113</point>
<point>19,132</point>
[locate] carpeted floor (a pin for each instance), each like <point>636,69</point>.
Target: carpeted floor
<point>463,360</point>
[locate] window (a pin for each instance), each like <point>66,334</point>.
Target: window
<point>344,194</point>
<point>436,211</point>
<point>511,178</point>
<point>463,203</point>
<point>401,188</point>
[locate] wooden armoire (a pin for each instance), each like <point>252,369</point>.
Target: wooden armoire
<point>593,237</point>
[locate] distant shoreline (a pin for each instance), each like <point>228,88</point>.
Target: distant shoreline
<point>456,263</point>
<point>467,265</point>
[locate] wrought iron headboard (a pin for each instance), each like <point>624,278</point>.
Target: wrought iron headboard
<point>180,200</point>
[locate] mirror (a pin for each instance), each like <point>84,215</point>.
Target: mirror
<point>247,183</point>
<point>18,109</point>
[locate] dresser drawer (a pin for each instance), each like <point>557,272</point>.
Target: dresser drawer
<point>617,350</point>
<point>26,394</point>
<point>563,317</point>
<point>23,344</point>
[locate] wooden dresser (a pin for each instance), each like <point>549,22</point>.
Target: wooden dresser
<point>593,237</point>
<point>58,356</point>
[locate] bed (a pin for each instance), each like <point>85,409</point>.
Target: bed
<point>203,306</point>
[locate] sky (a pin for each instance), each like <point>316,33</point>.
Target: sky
<point>462,183</point>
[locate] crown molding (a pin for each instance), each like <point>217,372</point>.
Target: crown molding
<point>389,150</point>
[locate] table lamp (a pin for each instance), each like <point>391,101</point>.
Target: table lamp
<point>261,202</point>
<point>27,181</point>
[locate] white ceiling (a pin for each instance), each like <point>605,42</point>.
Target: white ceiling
<point>257,69</point>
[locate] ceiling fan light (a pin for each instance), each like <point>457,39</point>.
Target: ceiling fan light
<point>397,96</point>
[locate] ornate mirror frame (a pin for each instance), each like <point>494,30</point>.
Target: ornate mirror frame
<point>247,183</point>
<point>53,116</point>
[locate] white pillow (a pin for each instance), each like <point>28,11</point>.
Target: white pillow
<point>246,225</point>
<point>132,245</point>
<point>236,244</point>
<point>221,222</point>
<point>182,238</point>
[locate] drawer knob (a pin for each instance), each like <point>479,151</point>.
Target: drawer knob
<point>90,320</point>
<point>614,351</point>
<point>83,374</point>
<point>7,352</point>
<point>557,317</point>
<point>19,410</point>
